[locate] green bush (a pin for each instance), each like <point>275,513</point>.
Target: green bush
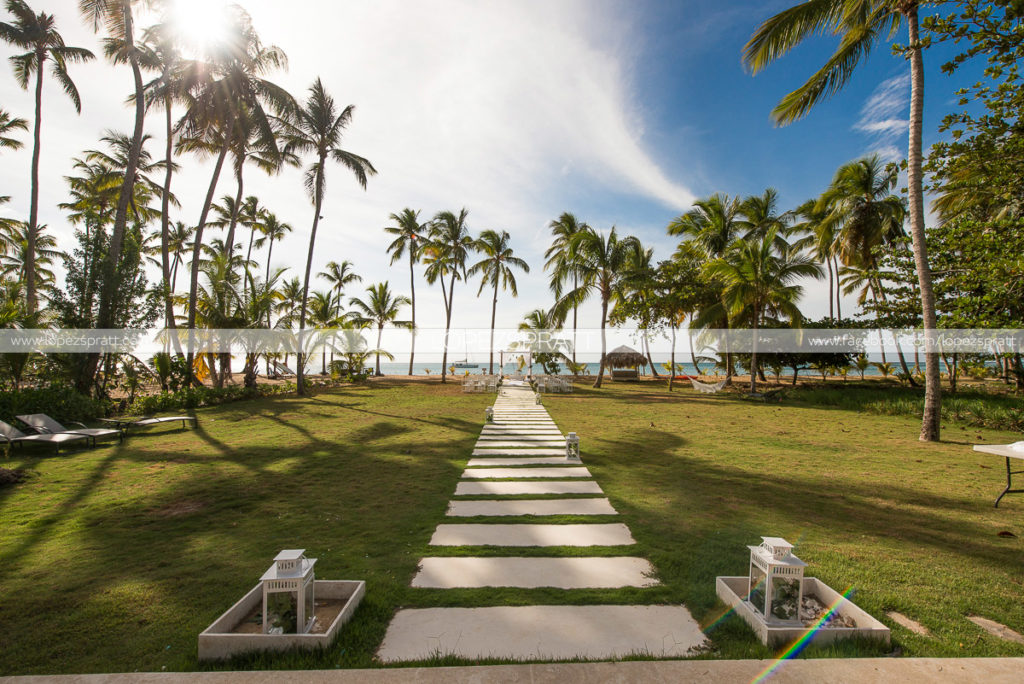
<point>62,403</point>
<point>195,397</point>
<point>977,409</point>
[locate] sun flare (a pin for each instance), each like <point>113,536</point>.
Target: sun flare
<point>201,25</point>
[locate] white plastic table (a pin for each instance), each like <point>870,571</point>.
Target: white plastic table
<point>1007,452</point>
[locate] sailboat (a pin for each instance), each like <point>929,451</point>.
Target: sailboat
<point>464,363</point>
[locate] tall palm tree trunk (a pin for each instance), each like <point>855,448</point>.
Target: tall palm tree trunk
<point>33,212</point>
<point>110,283</point>
<point>412,286</point>
<point>604,343</point>
<point>165,223</point>
<point>930,421</point>
<point>672,359</point>
<point>839,293</point>
<point>575,285</point>
<point>230,240</point>
<point>494,313</point>
<point>447,327</point>
<point>693,354</point>
<point>647,349</point>
<point>380,334</point>
<point>831,311</point>
<point>300,374</point>
<point>753,353</point>
<point>197,249</point>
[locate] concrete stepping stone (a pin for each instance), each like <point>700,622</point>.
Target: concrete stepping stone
<point>598,534</point>
<point>490,429</point>
<point>517,460</point>
<point>523,473</point>
<point>909,623</point>
<point>531,573</point>
<point>541,632</point>
<point>534,487</point>
<point>996,629</point>
<point>463,509</point>
<point>518,443</point>
<point>518,438</point>
<point>509,451</point>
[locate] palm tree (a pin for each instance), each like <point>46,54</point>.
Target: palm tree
<point>340,275</point>
<point>159,53</point>
<point>445,255</point>
<point>7,126</point>
<point>120,47</point>
<point>759,280</point>
<point>496,268</point>
<point>318,128</point>
<point>382,307</point>
<point>635,298</point>
<point>544,347</point>
<point>37,33</point>
<point>820,239</point>
<point>17,260</point>
<point>861,363</point>
<point>861,24</point>
<point>324,312</point>
<point>274,230</point>
<point>409,237</point>
<point>761,215</point>
<point>600,260</point>
<point>564,228</point>
<point>714,224</point>
<point>231,90</point>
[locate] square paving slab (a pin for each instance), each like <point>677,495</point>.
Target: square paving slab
<point>611,534</point>
<point>510,451</point>
<point>516,460</point>
<point>528,473</point>
<point>516,443</point>
<point>532,487</point>
<point>532,507</point>
<point>529,573</point>
<point>519,438</point>
<point>541,632</point>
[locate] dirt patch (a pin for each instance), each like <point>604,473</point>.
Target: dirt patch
<point>10,477</point>
<point>179,508</point>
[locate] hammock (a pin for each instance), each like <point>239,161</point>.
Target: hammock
<point>705,388</point>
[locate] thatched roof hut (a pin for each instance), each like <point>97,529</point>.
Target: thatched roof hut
<point>625,357</point>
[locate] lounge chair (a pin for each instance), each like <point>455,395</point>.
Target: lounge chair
<point>47,425</point>
<point>149,421</point>
<point>12,435</point>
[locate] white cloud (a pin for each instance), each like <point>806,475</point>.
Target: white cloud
<point>880,117</point>
<point>506,108</point>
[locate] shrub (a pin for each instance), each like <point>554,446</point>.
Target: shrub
<point>195,397</point>
<point>62,403</point>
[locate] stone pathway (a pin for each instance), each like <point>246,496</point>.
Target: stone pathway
<point>522,453</point>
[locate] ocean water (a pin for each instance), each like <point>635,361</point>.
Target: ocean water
<point>398,368</point>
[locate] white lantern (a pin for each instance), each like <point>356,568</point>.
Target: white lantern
<point>489,414</point>
<point>288,593</point>
<point>776,589</point>
<point>536,398</point>
<point>572,447</point>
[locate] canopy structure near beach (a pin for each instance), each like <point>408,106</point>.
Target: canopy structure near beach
<point>625,357</point>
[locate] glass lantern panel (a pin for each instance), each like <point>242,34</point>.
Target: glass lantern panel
<point>757,588</point>
<point>310,608</point>
<point>785,594</point>
<point>282,611</point>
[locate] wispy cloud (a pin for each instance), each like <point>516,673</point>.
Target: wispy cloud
<point>881,117</point>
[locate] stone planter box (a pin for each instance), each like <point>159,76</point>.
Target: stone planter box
<point>732,589</point>
<point>221,639</point>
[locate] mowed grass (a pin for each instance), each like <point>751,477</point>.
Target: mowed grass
<point>910,526</point>
<point>114,559</point>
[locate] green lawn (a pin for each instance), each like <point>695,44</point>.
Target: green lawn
<point>114,559</point>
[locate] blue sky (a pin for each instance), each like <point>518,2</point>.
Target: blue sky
<point>621,112</point>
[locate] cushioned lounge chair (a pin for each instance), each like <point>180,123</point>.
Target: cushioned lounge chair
<point>45,424</point>
<point>149,421</point>
<point>12,435</point>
